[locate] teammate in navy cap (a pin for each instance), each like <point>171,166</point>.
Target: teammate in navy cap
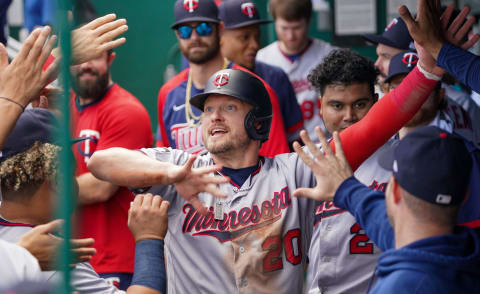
<point>240,42</point>
<point>393,40</point>
<point>414,222</point>
<point>447,114</point>
<point>198,31</point>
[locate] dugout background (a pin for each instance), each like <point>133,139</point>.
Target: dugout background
<point>141,63</point>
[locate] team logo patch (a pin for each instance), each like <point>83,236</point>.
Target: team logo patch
<point>221,79</point>
<point>190,5</point>
<point>248,9</point>
<point>391,24</point>
<point>88,144</point>
<point>410,59</point>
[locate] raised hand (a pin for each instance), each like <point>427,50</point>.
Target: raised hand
<point>190,181</point>
<point>96,37</point>
<point>148,217</point>
<point>23,79</point>
<point>457,32</point>
<point>330,169</point>
<point>430,30</point>
<point>42,244</point>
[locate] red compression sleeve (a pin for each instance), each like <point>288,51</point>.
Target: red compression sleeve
<point>385,118</point>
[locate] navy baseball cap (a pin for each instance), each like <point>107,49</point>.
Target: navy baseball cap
<point>195,10</point>
<point>395,35</point>
<point>239,13</point>
<point>431,164</point>
<point>402,63</point>
<point>33,125</point>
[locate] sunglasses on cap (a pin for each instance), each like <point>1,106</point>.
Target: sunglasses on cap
<point>202,29</point>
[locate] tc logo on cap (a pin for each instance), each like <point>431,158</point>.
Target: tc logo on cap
<point>410,59</point>
<point>221,79</point>
<point>190,5</point>
<point>248,9</point>
<point>391,24</point>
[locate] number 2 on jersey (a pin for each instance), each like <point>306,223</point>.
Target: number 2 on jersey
<point>274,245</point>
<point>358,243</point>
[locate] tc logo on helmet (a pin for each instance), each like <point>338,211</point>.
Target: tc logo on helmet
<point>248,9</point>
<point>410,59</point>
<point>190,5</point>
<point>221,79</point>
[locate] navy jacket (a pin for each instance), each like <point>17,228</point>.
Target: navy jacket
<point>442,264</point>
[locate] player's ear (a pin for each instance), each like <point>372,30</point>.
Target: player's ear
<point>375,97</point>
<point>397,193</point>
<point>221,28</point>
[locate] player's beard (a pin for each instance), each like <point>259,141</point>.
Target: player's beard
<point>228,145</point>
<point>202,57</point>
<point>90,88</point>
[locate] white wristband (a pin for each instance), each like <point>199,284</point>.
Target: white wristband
<point>427,74</point>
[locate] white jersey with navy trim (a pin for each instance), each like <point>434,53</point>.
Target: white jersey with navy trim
<point>298,72</point>
<point>342,257</point>
<point>84,278</point>
<point>262,242</point>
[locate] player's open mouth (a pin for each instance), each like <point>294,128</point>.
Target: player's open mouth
<point>217,132</point>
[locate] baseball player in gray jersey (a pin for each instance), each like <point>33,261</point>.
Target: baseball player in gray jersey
<point>342,257</point>
<point>254,239</point>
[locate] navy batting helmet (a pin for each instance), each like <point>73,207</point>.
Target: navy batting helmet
<point>246,87</point>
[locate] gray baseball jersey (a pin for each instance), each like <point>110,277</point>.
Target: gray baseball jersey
<point>17,265</point>
<point>84,277</point>
<point>259,241</point>
<point>297,72</point>
<point>462,116</point>
<point>342,257</point>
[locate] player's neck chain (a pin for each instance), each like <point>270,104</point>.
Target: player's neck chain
<point>192,119</point>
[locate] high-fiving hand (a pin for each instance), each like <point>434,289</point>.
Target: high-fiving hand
<point>330,169</point>
<point>189,182</point>
<point>430,30</point>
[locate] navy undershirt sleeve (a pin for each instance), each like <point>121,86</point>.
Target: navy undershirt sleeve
<point>368,208</point>
<point>462,64</point>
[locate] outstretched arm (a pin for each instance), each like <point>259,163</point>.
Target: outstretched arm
<point>131,168</point>
<point>23,78</point>
<point>148,221</point>
<point>446,44</point>
<point>335,182</point>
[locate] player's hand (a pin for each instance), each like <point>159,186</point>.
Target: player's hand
<point>190,181</point>
<point>330,169</point>
<point>96,37</point>
<point>44,246</point>
<point>147,217</point>
<point>457,32</point>
<point>430,30</point>
<point>23,79</point>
